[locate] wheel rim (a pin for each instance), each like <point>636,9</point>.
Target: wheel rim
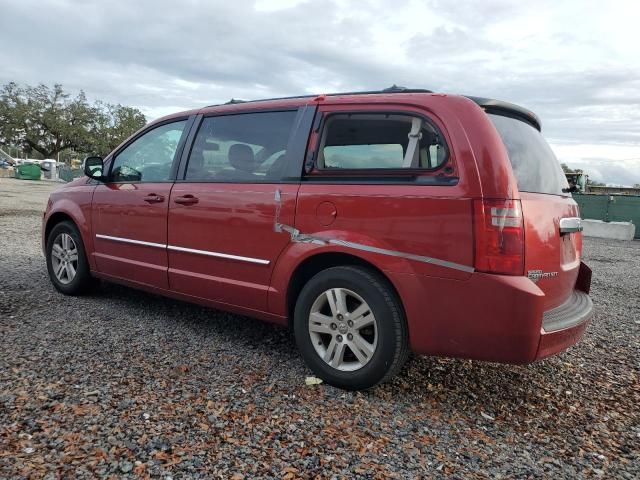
<point>64,258</point>
<point>343,329</point>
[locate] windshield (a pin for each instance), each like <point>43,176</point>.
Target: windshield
<point>534,164</point>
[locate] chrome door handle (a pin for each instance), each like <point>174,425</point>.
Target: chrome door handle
<point>186,200</point>
<point>570,225</point>
<point>153,198</point>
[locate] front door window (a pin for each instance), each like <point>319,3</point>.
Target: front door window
<point>150,157</point>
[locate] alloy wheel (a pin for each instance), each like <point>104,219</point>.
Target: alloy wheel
<point>343,329</point>
<point>64,258</point>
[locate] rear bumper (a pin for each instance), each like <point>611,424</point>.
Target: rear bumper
<point>564,325</point>
<point>576,310</point>
<point>497,318</point>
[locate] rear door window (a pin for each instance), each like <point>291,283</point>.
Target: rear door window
<point>534,164</point>
<point>247,147</point>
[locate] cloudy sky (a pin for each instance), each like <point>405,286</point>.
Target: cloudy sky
<point>575,63</point>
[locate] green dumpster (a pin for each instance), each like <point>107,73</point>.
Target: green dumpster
<point>28,171</point>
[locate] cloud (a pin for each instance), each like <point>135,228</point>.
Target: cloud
<point>574,63</point>
<point>612,164</point>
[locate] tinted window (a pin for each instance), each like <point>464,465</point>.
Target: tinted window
<point>388,155</point>
<point>534,164</point>
<point>380,141</point>
<point>149,157</point>
<point>248,147</point>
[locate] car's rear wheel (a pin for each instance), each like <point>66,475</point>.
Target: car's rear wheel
<point>66,260</point>
<point>350,328</point>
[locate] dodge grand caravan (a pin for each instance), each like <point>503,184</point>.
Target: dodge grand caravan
<point>373,224</point>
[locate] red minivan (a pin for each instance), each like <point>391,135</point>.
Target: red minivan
<point>372,223</point>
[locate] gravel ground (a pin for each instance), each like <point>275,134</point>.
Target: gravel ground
<point>123,383</point>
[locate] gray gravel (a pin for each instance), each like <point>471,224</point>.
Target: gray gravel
<point>129,384</point>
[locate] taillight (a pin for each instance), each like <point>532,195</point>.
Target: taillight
<point>499,235</point>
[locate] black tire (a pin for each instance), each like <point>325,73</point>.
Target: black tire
<point>392,346</point>
<point>82,282</point>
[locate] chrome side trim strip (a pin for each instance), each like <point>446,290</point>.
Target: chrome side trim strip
<point>408,256</point>
<point>259,261</point>
<point>296,236</point>
<point>128,240</point>
<point>219,255</point>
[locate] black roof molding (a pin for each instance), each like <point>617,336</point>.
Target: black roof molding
<point>508,109</point>
<point>489,104</point>
<point>392,89</point>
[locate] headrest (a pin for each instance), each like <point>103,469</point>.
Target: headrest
<point>241,157</point>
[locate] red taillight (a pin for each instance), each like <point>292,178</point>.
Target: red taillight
<point>499,235</point>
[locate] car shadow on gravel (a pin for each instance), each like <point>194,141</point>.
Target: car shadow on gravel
<point>470,383</point>
<point>202,321</point>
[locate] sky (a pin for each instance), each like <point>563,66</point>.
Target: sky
<point>575,63</point>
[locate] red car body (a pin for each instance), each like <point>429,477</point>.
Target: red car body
<point>425,236</point>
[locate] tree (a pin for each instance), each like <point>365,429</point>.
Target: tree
<point>593,183</point>
<point>112,125</point>
<point>49,121</point>
<point>566,169</point>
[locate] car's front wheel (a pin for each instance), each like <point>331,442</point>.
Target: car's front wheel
<point>350,328</point>
<point>66,260</point>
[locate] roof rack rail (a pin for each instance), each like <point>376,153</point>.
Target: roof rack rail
<point>392,89</point>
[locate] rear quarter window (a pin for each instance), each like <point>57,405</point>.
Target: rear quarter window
<point>378,141</point>
<point>534,164</point>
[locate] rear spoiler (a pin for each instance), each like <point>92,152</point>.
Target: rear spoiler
<point>508,109</point>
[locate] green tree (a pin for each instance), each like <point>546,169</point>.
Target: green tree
<point>566,168</point>
<point>112,124</point>
<point>49,121</point>
<point>593,183</point>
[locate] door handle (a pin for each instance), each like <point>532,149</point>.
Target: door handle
<point>570,225</point>
<point>186,200</point>
<point>153,198</point>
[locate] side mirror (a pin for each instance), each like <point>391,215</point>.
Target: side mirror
<point>93,167</point>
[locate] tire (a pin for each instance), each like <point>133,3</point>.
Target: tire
<point>65,236</point>
<point>351,351</point>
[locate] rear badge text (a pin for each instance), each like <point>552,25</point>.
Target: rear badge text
<point>535,275</point>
